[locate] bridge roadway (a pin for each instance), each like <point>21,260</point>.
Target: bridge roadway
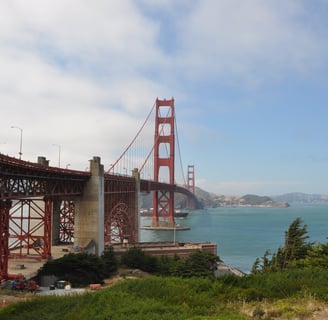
<point>102,208</point>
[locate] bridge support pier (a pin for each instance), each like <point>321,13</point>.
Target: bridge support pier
<point>89,214</point>
<point>136,175</point>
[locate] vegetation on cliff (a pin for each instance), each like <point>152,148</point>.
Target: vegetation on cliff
<point>288,294</point>
<point>81,269</point>
<point>291,283</point>
<point>296,253</point>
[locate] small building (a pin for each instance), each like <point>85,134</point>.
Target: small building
<point>171,249</point>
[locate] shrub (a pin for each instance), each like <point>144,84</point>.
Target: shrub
<point>136,258</point>
<point>80,269</point>
<point>110,262</point>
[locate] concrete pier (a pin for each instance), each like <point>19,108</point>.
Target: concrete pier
<point>89,214</point>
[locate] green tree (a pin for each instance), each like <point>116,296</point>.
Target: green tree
<point>295,248</point>
<point>136,258</point>
<point>110,262</point>
<point>80,269</point>
<point>198,264</point>
<point>263,264</point>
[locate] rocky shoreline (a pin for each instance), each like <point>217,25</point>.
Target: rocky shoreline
<point>264,205</point>
<point>224,269</point>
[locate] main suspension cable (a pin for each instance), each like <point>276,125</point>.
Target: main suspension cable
<point>179,151</point>
<point>134,139</point>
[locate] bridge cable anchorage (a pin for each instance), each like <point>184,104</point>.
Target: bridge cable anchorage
<point>132,142</point>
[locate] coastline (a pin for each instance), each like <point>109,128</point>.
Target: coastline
<point>262,205</point>
<point>224,269</point>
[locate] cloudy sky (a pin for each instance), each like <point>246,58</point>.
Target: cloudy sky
<point>249,79</point>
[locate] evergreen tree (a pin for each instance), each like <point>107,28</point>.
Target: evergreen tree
<point>198,264</point>
<point>136,258</point>
<point>110,262</point>
<point>294,249</point>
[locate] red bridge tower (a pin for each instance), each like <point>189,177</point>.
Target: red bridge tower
<point>163,201</point>
<point>191,186</point>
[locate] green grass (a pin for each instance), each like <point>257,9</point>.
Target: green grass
<point>286,294</point>
<point>153,298</point>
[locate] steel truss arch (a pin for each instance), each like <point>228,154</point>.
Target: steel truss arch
<point>117,224</point>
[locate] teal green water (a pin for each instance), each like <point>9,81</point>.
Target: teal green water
<point>243,234</point>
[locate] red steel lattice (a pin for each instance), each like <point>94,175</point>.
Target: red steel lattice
<point>66,227</point>
<point>30,228</point>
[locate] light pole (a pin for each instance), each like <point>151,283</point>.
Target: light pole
<point>174,233</point>
<point>21,141</point>
<point>59,152</point>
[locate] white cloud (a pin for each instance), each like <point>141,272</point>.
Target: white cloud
<point>250,40</point>
<point>85,75</point>
<point>70,75</point>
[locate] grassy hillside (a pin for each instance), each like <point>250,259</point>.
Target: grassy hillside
<point>281,295</point>
<point>292,284</point>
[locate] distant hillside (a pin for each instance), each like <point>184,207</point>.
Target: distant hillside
<point>211,200</point>
<point>207,199</point>
<point>252,199</point>
<point>298,197</point>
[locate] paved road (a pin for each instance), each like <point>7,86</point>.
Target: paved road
<point>60,292</point>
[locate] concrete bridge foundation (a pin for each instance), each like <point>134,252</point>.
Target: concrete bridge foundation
<point>89,214</point>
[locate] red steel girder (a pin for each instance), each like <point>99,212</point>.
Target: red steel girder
<point>30,228</point>
<point>20,178</point>
<point>66,228</point>
<point>120,209</point>
<point>4,236</point>
<point>119,225</point>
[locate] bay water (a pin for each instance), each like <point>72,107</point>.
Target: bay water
<point>243,234</point>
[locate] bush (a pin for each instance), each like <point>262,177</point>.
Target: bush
<point>198,264</point>
<point>136,258</point>
<point>110,262</point>
<point>80,269</point>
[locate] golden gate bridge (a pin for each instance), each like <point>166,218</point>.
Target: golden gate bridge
<point>43,206</point>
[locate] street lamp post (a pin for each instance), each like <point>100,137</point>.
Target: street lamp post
<point>59,152</point>
<point>21,141</point>
<point>174,230</point>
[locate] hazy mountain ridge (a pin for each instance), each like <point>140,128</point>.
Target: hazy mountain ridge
<point>211,200</point>
<point>302,198</point>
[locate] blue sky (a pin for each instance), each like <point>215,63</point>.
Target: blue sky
<point>249,78</point>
